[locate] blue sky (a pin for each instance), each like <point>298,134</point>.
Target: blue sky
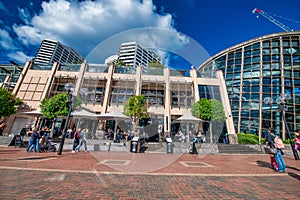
<point>92,27</point>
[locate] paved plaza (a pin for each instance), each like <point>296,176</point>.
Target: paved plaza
<point>125,175</point>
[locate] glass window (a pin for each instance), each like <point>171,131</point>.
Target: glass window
<point>256,52</point>
<point>255,96</point>
<point>247,60</point>
<point>256,46</point>
<point>256,59</point>
<point>286,43</point>
<point>295,43</point>
<point>275,43</point>
<point>255,81</point>
<point>287,60</point>
<point>230,56</point>
<point>275,50</point>
<point>247,53</point>
<point>266,81</point>
<point>238,55</point>
<point>266,51</point>
<point>255,67</point>
<point>266,44</point>
<point>266,58</point>
<point>255,88</point>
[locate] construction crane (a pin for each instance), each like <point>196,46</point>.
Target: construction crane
<point>271,19</point>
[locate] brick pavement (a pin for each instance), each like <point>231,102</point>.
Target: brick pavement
<point>124,175</point>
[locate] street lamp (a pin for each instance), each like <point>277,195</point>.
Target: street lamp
<point>69,87</point>
<point>281,102</point>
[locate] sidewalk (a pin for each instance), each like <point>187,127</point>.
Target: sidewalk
<point>125,175</point>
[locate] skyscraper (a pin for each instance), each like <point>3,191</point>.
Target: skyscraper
<point>133,54</point>
<point>52,51</point>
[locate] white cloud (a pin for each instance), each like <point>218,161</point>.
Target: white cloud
<point>24,14</point>
<point>6,42</point>
<point>19,56</point>
<point>82,25</point>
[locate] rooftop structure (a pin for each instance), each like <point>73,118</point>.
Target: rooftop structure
<point>52,51</point>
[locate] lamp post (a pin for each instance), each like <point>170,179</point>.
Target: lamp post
<point>69,87</point>
<point>281,102</point>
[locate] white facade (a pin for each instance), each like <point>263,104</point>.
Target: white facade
<point>52,51</point>
<point>133,54</point>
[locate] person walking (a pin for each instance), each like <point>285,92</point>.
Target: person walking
<point>278,156</point>
<point>33,140</point>
<point>76,139</point>
<point>83,142</point>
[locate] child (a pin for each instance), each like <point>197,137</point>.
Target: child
<point>274,164</point>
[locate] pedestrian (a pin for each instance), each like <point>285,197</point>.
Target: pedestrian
<point>180,136</point>
<point>278,156</point>
<point>76,139</point>
<point>32,142</point>
<point>83,141</point>
<point>2,126</point>
<point>297,144</point>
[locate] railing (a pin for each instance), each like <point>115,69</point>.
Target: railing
<point>41,66</point>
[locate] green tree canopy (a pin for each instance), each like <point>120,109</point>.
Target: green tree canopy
<point>57,106</point>
<point>202,109</point>
<point>208,110</point>
<point>155,64</point>
<point>136,107</point>
<point>8,103</point>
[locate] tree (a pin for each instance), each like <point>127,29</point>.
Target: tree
<point>202,109</point>
<point>57,106</point>
<point>8,103</point>
<point>217,111</point>
<point>155,64</point>
<point>136,107</point>
<point>208,110</point>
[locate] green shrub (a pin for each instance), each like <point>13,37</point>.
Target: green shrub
<point>249,139</point>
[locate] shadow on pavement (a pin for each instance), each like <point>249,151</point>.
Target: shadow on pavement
<point>263,164</point>
<point>293,168</point>
<point>296,176</point>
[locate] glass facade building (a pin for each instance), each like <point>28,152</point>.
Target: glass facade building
<point>263,67</point>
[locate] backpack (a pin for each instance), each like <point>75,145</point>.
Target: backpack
<point>278,143</point>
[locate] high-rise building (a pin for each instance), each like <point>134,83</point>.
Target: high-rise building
<point>267,66</point>
<point>52,51</point>
<point>133,54</point>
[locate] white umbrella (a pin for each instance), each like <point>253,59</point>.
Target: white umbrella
<point>84,114</point>
<point>36,112</point>
<point>187,118</point>
<point>114,115</point>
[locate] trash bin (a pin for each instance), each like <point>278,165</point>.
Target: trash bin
<point>169,145</point>
<point>134,145</point>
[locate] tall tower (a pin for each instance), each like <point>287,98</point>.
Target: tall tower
<point>52,51</point>
<point>133,54</point>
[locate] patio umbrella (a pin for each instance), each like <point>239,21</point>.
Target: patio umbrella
<point>36,113</point>
<point>187,118</point>
<point>114,115</point>
<point>84,114</point>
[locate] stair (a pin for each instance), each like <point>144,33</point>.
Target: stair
<point>239,149</point>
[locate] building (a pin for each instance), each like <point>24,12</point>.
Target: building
<point>133,54</point>
<point>253,70</point>
<point>169,94</point>
<point>9,75</point>
<point>52,51</point>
